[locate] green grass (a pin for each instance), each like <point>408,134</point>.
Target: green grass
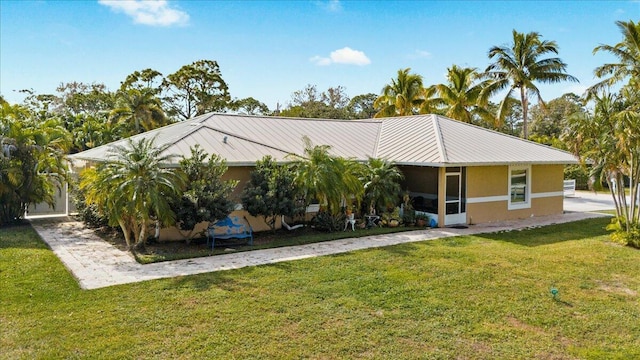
<point>475,297</point>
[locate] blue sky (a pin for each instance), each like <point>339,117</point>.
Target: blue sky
<point>267,50</point>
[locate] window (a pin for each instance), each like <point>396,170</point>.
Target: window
<point>519,187</point>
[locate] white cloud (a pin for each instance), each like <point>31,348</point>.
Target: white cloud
<point>148,12</point>
<point>345,55</point>
<point>320,61</point>
<point>331,5</point>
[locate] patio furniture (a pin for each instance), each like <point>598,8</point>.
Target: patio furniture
<point>350,219</point>
<point>229,228</point>
<point>372,220</point>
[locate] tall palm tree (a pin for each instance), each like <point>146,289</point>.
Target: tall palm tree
<point>327,178</point>
<point>404,96</point>
<point>463,96</point>
<point>133,188</point>
<point>519,65</point>
<point>628,53</point>
<point>139,110</point>
<point>381,181</point>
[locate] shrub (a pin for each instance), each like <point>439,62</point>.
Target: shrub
<point>324,221</point>
<point>206,197</point>
<point>270,192</point>
<point>622,236</point>
<point>409,216</point>
<point>89,214</point>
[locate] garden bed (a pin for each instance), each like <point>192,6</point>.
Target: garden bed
<point>155,251</point>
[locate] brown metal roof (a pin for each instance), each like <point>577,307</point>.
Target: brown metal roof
<point>426,140</point>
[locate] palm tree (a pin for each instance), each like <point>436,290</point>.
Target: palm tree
<point>139,110</point>
<point>94,131</point>
<point>520,65</point>
<point>133,188</point>
<point>463,96</point>
<point>610,140</point>
<point>402,97</point>
<point>32,163</point>
<point>628,53</point>
<point>329,179</point>
<point>381,181</point>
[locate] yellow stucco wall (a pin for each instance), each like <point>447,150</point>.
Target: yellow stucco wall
<point>493,181</point>
<point>240,173</point>
<point>547,178</point>
<point>487,181</point>
<point>498,211</point>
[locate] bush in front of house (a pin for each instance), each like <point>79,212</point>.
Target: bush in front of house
<point>206,197</point>
<point>271,192</point>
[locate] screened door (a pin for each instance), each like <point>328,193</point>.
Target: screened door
<point>455,201</point>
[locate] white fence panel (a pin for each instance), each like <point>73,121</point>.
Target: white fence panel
<point>63,205</point>
<point>569,188</point>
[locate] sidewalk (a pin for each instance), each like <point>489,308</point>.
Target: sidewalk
<point>96,263</point>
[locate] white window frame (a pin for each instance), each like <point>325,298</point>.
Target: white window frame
<point>526,204</point>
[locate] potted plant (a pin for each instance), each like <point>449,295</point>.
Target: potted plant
<point>422,220</point>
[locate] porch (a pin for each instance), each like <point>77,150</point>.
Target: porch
<point>439,192</point>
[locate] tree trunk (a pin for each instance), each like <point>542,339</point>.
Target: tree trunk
<point>135,230</point>
<point>143,234</point>
<point>634,178</point>
<point>623,200</point>
<point>126,232</point>
<point>613,195</point>
<point>525,111</point>
<point>634,191</point>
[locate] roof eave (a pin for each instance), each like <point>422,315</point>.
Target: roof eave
<point>488,163</point>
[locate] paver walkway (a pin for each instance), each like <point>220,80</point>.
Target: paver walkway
<point>96,263</point>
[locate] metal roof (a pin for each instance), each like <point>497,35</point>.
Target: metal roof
<point>424,140</point>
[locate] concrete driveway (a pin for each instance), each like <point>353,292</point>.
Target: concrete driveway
<point>589,201</point>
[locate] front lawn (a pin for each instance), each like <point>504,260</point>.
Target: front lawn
<point>475,297</point>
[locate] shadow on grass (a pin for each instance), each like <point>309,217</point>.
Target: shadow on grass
<point>20,236</point>
<point>407,249</point>
<point>565,303</point>
<point>218,279</point>
<point>552,234</point>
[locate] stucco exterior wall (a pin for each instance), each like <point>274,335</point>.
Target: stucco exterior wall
<point>483,181</point>
<point>240,173</point>
<point>547,178</point>
<point>488,193</point>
